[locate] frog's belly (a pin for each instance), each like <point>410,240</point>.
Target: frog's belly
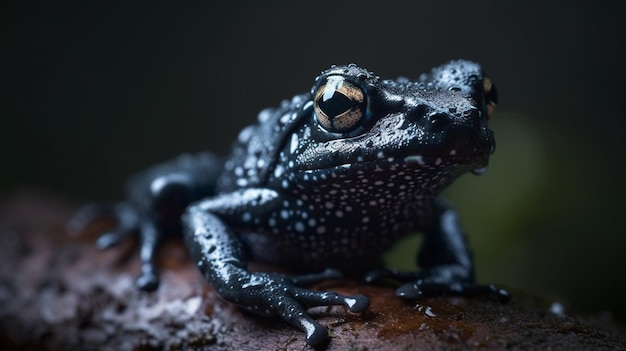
<point>346,250</point>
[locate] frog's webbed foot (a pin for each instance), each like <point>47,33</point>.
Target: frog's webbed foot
<point>449,280</point>
<point>280,295</point>
<point>129,220</point>
<point>221,257</point>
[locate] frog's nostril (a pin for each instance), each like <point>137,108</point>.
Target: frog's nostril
<point>417,114</point>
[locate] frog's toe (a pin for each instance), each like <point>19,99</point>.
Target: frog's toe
<point>316,334</point>
<point>85,215</point>
<point>356,303</point>
<point>410,291</point>
<point>376,275</point>
<point>420,289</point>
<point>110,239</point>
<point>490,290</point>
<point>148,281</point>
<point>127,218</point>
<point>293,313</point>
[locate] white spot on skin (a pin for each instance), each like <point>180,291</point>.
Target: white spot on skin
<point>309,327</point>
<point>350,302</point>
<point>294,143</point>
<point>264,115</point>
<point>278,171</point>
<point>307,105</point>
<point>246,134</point>
<point>159,183</point>
<point>300,227</point>
<point>415,158</point>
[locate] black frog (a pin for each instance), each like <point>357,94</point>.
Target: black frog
<point>324,184</point>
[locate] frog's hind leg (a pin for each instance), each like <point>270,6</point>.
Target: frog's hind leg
<point>156,199</point>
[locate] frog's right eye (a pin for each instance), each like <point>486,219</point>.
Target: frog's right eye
<point>339,105</point>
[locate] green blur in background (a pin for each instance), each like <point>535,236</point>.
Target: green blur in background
<point>91,93</point>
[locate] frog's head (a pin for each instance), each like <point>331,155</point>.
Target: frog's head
<point>360,123</point>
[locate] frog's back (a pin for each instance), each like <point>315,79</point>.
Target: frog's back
<point>255,152</point>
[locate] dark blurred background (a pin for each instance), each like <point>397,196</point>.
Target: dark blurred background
<point>91,92</point>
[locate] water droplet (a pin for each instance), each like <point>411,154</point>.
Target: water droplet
<point>480,171</point>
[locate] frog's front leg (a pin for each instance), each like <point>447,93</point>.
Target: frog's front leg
<point>446,262</point>
<point>222,259</point>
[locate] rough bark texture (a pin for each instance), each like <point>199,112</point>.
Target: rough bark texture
<point>59,293</point>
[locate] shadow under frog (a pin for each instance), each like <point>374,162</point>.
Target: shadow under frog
<point>325,183</point>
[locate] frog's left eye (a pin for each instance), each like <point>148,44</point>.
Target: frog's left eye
<point>339,105</point>
<point>491,96</point>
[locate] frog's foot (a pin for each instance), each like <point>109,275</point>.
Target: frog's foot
<point>276,294</point>
<point>449,280</point>
<point>126,217</point>
<point>129,221</point>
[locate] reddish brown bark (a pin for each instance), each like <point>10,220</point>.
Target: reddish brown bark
<point>59,293</point>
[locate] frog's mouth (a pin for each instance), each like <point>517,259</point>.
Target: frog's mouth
<point>413,163</point>
<point>426,174</point>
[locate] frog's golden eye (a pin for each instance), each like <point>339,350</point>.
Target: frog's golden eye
<point>491,96</point>
<point>339,105</point>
